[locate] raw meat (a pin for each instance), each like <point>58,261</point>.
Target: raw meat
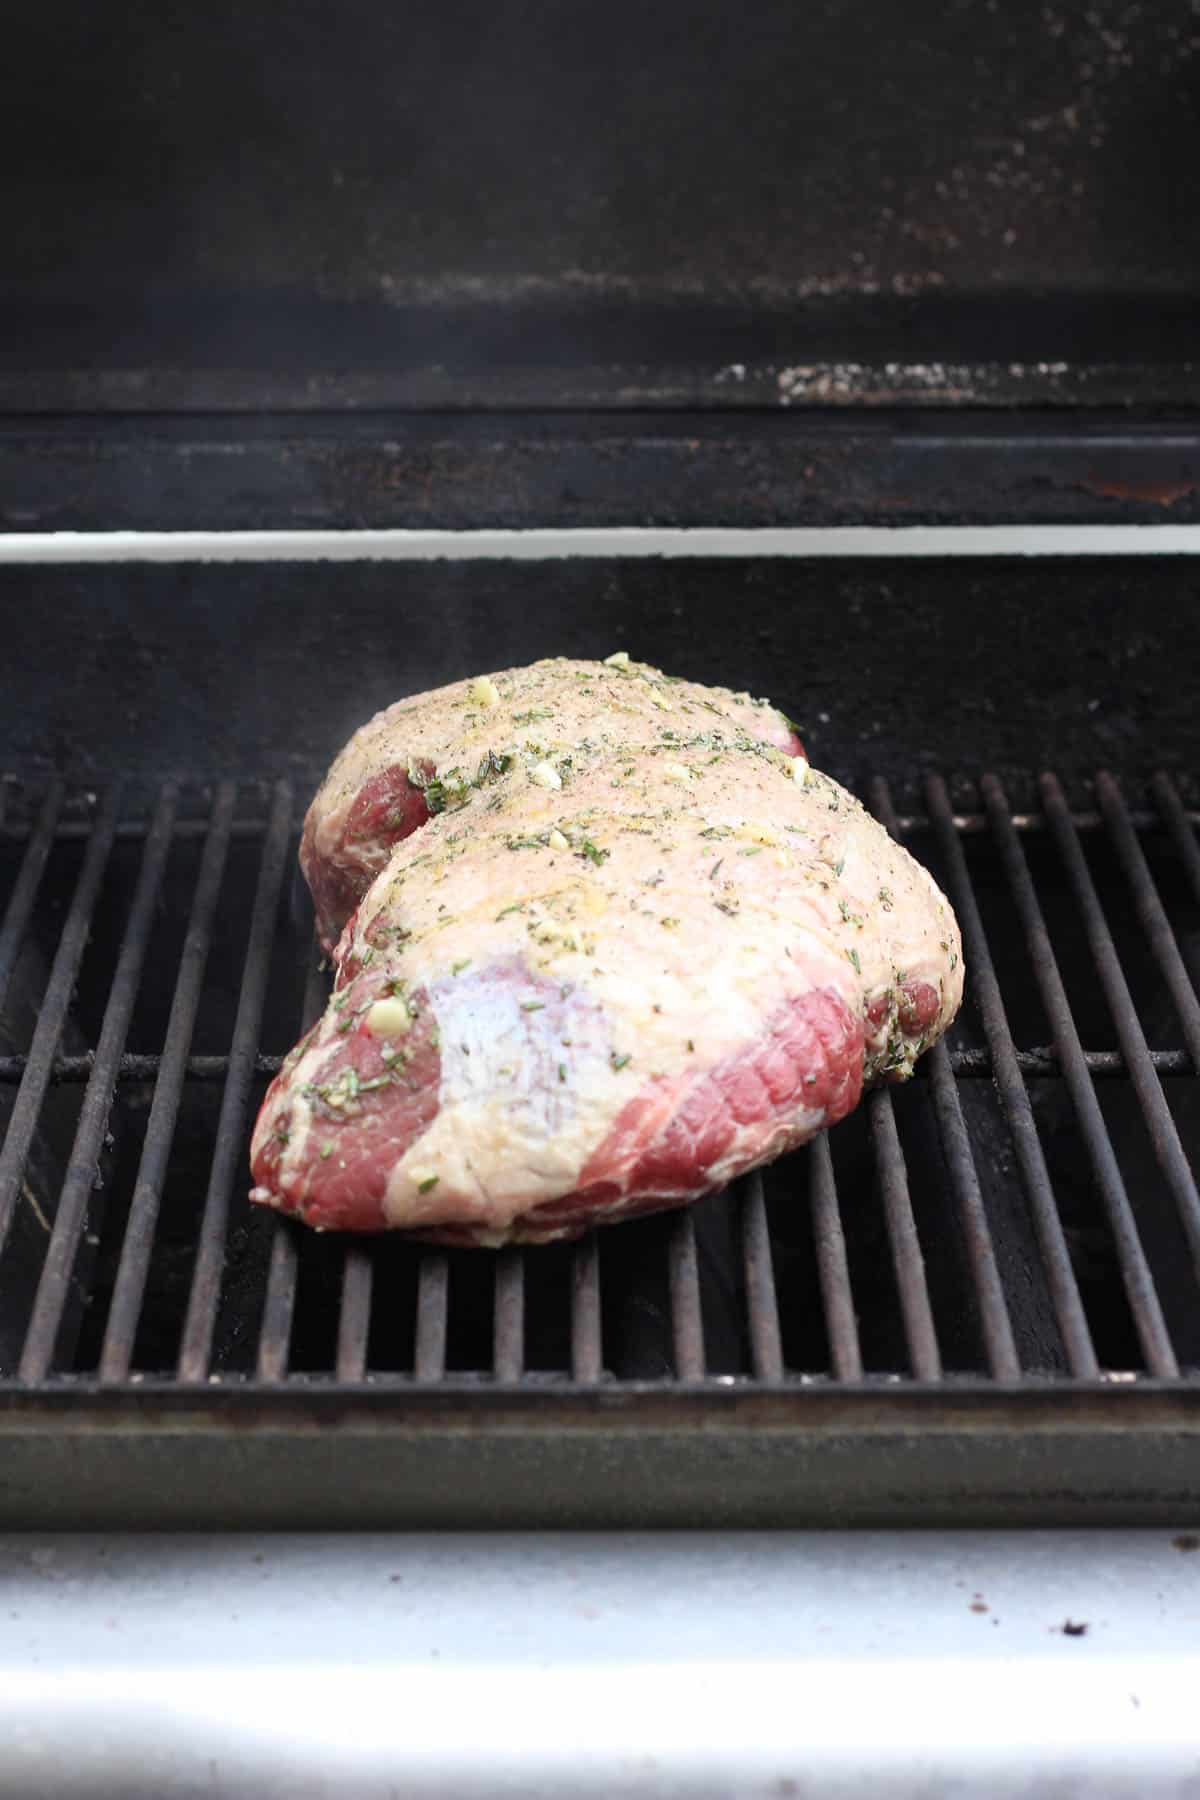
<point>635,948</point>
<point>428,754</point>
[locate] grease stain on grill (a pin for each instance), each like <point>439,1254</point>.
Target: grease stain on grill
<point>1153,493</point>
<point>1073,1628</point>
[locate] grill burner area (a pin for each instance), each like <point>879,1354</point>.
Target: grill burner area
<point>1020,1221</point>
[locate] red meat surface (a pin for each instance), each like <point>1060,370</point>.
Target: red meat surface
<point>602,949</point>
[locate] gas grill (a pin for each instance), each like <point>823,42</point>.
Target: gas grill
<point>844,353</point>
<point>975,1301</point>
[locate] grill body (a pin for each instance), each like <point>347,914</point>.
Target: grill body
<point>976,1301</point>
<point>663,268</point>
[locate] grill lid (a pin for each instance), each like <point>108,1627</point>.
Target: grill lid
<point>839,206</point>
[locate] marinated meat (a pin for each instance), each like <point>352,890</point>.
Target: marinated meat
<point>433,753</point>
<point>606,942</point>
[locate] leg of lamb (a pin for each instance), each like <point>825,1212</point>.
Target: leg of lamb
<point>602,941</point>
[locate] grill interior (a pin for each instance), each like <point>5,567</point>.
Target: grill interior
<point>963,303</point>
<point>1024,1212</point>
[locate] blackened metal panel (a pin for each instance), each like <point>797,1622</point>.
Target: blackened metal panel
<point>207,669</point>
<point>487,1459</point>
<point>979,199</point>
<point>513,470</point>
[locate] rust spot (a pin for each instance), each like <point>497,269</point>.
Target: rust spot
<point>1153,493</point>
<point>1187,1540</point>
<point>1073,1628</point>
<point>979,1606</point>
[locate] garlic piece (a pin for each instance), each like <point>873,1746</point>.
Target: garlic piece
<point>800,769</point>
<point>484,691</point>
<point>618,660</point>
<point>558,841</point>
<point>545,775</point>
<point>759,834</point>
<point>389,1018</point>
<point>676,772</point>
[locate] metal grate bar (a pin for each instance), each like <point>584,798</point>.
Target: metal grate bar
<point>354,1316</point>
<point>1179,823</point>
<point>1161,1127</point>
<point>20,906</point>
<point>227,1149</point>
<point>1056,1258</point>
<point>1046,1059</point>
<point>587,1350</point>
<point>433,1297</point>
<point>909,1263</point>
<point>136,1248</point>
<point>766,1346</point>
<point>999,1343</point>
<point>970,1063</point>
<point>54,1283</point>
<point>508,1316</point>
<point>1135,1270</point>
<point>1150,911</point>
<point>275,1334</point>
<point>52,1016</point>
<point>833,1270</point>
<point>130,830</point>
<point>687,1322</point>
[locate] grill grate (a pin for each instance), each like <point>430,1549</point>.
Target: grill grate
<point>1024,1215</point>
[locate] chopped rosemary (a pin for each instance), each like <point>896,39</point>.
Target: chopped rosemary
<point>451,791</point>
<point>619,1062</point>
<point>492,767</point>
